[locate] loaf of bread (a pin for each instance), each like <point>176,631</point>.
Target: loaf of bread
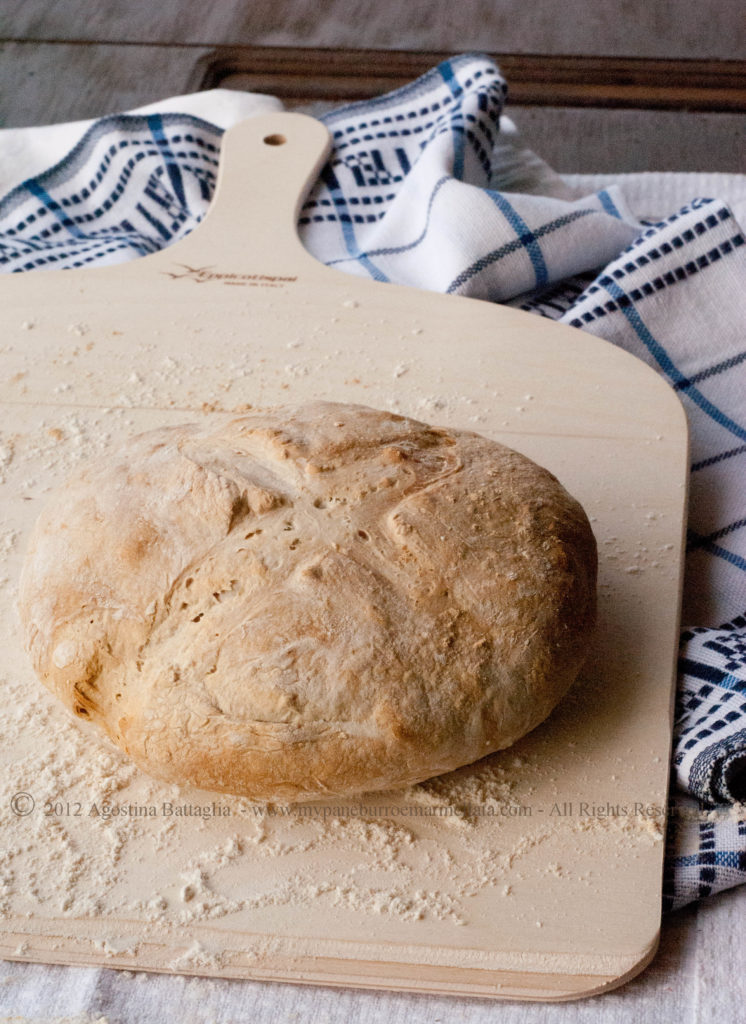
<point>310,601</point>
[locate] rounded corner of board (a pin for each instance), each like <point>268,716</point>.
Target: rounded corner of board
<point>610,983</point>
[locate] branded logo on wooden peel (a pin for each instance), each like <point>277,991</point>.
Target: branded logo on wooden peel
<point>203,275</point>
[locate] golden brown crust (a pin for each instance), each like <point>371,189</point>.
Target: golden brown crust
<point>310,600</point>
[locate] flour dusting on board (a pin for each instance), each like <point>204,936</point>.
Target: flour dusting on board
<point>88,836</point>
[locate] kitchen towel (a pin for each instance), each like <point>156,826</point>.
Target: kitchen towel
<point>431,186</point>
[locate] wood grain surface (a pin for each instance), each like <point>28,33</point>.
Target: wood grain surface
<point>637,28</point>
<point>73,60</point>
<point>48,83</point>
<point>303,74</point>
<point>695,977</point>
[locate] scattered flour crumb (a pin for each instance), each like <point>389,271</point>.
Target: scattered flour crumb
<point>195,957</point>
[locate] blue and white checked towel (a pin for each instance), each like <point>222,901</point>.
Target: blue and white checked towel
<point>431,186</point>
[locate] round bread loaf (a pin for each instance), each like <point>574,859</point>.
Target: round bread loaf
<point>311,600</point>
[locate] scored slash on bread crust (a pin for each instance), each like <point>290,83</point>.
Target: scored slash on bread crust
<point>311,600</point>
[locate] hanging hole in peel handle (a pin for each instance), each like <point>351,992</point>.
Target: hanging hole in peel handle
<point>274,140</point>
